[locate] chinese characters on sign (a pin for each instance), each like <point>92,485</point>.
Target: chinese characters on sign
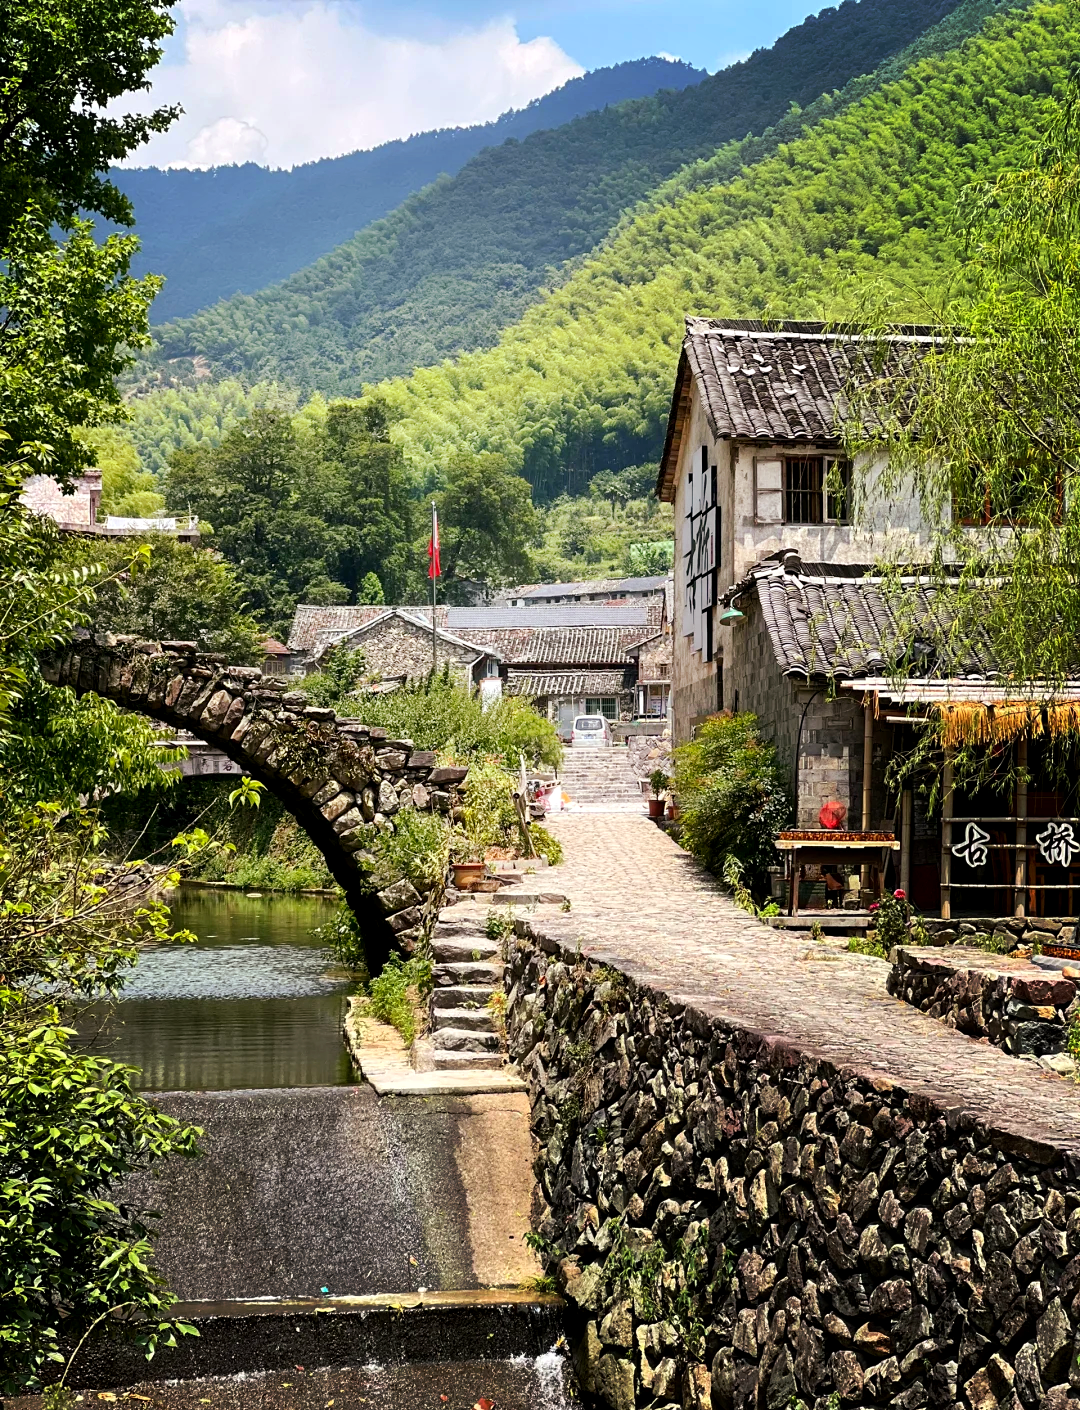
<point>1057,843</point>
<point>972,847</point>
<point>700,533</point>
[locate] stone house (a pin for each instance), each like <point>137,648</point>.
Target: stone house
<point>397,643</point>
<point>778,611</point>
<point>597,590</point>
<point>78,511</point>
<point>569,658</point>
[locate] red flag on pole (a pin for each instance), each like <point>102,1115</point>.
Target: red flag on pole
<point>434,566</point>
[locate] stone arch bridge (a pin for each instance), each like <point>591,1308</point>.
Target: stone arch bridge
<point>341,779</point>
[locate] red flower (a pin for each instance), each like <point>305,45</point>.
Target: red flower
<point>873,905</point>
<point>900,894</point>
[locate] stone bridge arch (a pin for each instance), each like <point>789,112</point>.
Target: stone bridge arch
<point>339,778</point>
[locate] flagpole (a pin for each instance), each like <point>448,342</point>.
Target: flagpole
<point>434,586</point>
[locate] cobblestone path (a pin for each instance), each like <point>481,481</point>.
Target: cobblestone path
<point>640,903</point>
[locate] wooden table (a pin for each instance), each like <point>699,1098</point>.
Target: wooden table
<point>810,846</point>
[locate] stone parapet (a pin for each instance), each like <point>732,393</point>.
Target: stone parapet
<point>1012,1003</point>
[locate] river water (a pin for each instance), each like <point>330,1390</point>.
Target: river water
<point>257,1002</point>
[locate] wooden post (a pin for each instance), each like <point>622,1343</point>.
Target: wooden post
<point>1020,893</point>
<point>867,782</point>
<point>946,836</point>
<point>907,810</point>
<point>793,905</point>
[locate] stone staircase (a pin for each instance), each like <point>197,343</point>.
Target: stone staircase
<point>597,778</point>
<point>466,1034</point>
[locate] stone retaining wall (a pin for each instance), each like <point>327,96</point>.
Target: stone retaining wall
<point>1023,1009</point>
<point>740,1223</point>
<point>1001,934</point>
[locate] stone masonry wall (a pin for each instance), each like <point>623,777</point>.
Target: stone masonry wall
<point>740,1223</point>
<point>830,749</point>
<point>398,648</point>
<point>1014,1005</point>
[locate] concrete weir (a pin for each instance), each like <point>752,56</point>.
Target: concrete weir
<point>333,1243</point>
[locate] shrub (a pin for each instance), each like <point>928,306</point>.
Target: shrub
<point>892,920</point>
<point>490,818</point>
<point>395,995</point>
<point>437,713</point>
<point>418,848</point>
<point>731,797</point>
<point>546,846</point>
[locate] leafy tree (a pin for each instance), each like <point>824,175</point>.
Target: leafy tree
<point>62,63</point>
<point>303,512</point>
<point>176,592</point>
<point>486,523</point>
<point>126,488</point>
<point>371,591</point>
<point>994,444</point>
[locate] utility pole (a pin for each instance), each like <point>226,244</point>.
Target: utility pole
<point>433,572</point>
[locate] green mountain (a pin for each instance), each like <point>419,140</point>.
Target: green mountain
<point>863,199</point>
<point>238,228</point>
<point>463,259</point>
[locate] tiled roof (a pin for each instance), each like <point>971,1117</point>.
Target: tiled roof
<point>553,684</point>
<point>562,646</point>
<point>781,384</point>
<point>311,622</point>
<point>327,638</point>
<point>539,592</point>
<point>565,614</point>
<point>825,623</point>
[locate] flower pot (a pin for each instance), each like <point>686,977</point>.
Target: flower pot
<point>656,808</point>
<point>468,875</point>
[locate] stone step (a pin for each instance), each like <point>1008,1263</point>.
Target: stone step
<point>447,1061</point>
<point>461,996</point>
<point>468,972</point>
<point>457,948</point>
<point>480,1020</point>
<point>465,1040</point>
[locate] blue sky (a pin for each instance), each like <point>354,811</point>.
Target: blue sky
<point>287,81</point>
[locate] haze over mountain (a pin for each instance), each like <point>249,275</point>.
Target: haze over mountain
<point>461,260</point>
<point>233,229</point>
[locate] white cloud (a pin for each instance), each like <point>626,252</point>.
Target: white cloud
<point>287,83</point>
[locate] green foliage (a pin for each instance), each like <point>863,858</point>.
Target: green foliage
<point>659,782</point>
<point>546,845</point>
<point>437,713</point>
<point>486,523</point>
<point>294,504</point>
<point>418,848</point>
<point>265,848</point>
<point>580,539</point>
<point>63,65</point>
<point>893,917</point>
<point>993,451</point>
<point>178,593</point>
<point>342,936</point>
<point>71,1128</point>
<point>341,673</point>
<point>867,944</point>
<point>126,488</point>
<point>168,415</point>
<point>394,996</point>
<point>467,256</point>
<point>674,1289</point>
<point>731,796</point>
<point>489,816</point>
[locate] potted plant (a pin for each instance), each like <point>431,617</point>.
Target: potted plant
<point>659,782</point>
<point>466,861</point>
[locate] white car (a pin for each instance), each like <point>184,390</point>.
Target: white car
<point>592,730</point>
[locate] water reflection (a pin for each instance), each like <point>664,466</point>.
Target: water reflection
<point>256,1003</point>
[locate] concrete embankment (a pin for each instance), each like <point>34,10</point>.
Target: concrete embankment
<point>334,1188</point>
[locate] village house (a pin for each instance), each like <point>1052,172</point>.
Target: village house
<point>596,590</point>
<point>779,610</point>
<point>571,659</point>
<point>78,511</point>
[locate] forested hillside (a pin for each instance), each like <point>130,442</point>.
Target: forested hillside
<point>463,259</point>
<point>238,228</point>
<point>859,201</point>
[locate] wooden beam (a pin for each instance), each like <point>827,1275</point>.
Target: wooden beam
<point>1020,892</point>
<point>907,812</point>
